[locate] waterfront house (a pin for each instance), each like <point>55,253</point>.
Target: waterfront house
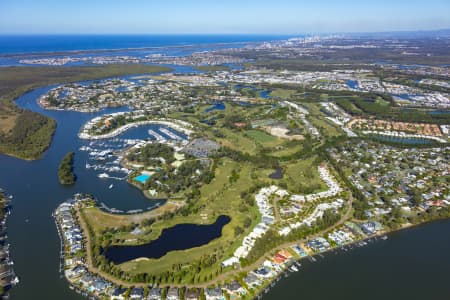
<point>86,279</point>
<point>263,272</point>
<point>370,228</point>
<point>234,289</point>
<point>99,286</point>
<point>76,271</point>
<point>252,280</point>
<point>299,250</point>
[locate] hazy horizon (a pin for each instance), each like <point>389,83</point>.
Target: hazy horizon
<point>283,17</point>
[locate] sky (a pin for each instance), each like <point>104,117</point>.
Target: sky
<point>220,17</point>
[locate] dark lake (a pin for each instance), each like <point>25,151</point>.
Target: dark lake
<point>216,106</point>
<point>277,174</point>
<point>178,237</point>
<point>352,84</point>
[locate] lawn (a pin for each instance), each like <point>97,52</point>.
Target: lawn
<point>101,220</point>
<point>236,141</point>
<point>287,151</point>
<point>380,101</point>
<point>303,177</point>
<point>260,136</point>
<point>282,93</point>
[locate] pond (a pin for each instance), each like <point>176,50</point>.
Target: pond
<point>278,174</point>
<point>352,84</point>
<point>178,237</point>
<point>210,122</point>
<point>216,106</point>
<point>265,94</point>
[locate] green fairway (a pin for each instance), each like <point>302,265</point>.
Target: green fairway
<point>302,176</point>
<point>282,93</point>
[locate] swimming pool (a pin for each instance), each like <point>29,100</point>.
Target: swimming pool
<point>142,178</point>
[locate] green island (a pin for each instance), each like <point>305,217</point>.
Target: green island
<point>27,134</point>
<point>66,175</point>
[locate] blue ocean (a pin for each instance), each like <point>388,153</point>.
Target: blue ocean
<point>21,44</point>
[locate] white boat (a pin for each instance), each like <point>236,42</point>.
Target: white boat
<point>103,175</point>
<point>293,268</point>
<point>111,186</point>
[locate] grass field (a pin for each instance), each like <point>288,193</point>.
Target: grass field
<point>101,220</point>
<point>282,93</point>
<point>380,101</point>
<point>287,151</point>
<point>260,136</point>
<point>303,177</point>
<point>237,141</point>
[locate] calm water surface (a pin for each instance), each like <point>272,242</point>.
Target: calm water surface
<point>178,237</point>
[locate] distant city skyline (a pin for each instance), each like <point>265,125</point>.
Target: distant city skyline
<point>225,17</point>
